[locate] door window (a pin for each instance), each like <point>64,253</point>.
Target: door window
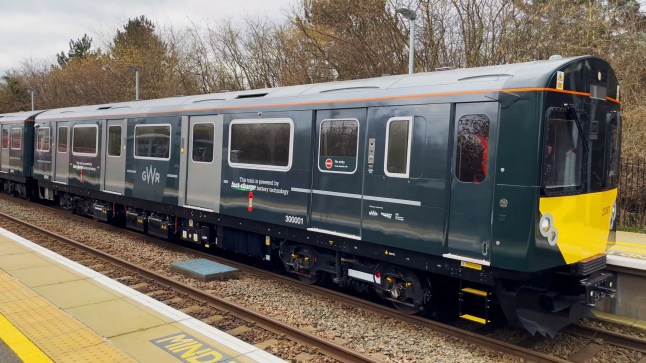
<point>5,138</point>
<point>16,138</point>
<point>339,146</point>
<point>202,148</point>
<point>114,141</point>
<point>62,139</point>
<point>398,143</point>
<point>472,153</point>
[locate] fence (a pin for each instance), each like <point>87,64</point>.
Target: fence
<point>632,194</point>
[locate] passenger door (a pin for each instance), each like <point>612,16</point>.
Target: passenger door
<point>4,158</point>
<point>472,181</point>
<point>114,171</point>
<point>204,158</point>
<point>62,156</point>
<point>337,181</point>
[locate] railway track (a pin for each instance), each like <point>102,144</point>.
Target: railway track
<point>323,346</point>
<point>522,349</point>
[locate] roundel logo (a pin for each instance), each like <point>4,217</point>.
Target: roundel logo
<point>328,163</point>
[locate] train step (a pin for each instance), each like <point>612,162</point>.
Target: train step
<point>474,304</point>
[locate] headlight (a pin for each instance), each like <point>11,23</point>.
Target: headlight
<point>545,225</point>
<point>547,229</point>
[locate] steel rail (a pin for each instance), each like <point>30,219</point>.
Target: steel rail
<point>324,346</point>
<point>609,337</point>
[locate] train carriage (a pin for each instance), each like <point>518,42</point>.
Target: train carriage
<point>475,187</point>
<point>16,153</point>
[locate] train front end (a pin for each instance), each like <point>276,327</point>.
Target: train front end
<point>575,216</point>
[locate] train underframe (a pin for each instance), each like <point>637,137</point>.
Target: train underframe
<point>541,303</point>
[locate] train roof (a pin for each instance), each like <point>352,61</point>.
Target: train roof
<point>21,116</point>
<point>534,74</point>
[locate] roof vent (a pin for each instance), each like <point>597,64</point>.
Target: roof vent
<point>556,57</point>
<point>348,89</point>
<point>209,100</point>
<point>104,108</point>
<point>252,95</point>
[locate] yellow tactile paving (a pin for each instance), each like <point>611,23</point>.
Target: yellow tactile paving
<point>24,348</point>
<point>56,333</point>
<point>629,244</point>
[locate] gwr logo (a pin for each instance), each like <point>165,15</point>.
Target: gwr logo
<point>188,349</point>
<point>150,175</point>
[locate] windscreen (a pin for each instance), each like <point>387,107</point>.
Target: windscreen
<point>563,153</point>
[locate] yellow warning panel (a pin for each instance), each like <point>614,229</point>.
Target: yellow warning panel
<point>20,344</point>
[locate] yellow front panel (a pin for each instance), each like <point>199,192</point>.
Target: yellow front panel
<point>582,222</point>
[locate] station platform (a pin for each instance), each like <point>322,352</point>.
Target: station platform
<point>627,259</point>
<point>55,310</point>
<point>629,251</point>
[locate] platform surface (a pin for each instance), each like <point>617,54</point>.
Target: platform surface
<point>629,251</point>
<point>53,309</point>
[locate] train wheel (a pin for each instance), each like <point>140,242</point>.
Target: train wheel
<point>406,308</point>
<point>311,279</point>
<point>403,289</point>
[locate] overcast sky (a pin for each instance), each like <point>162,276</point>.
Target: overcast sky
<point>39,29</point>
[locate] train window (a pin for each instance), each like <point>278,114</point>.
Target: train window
<point>42,141</point>
<point>5,138</point>
<point>202,148</point>
<point>563,154</point>
<point>261,144</point>
<point>16,138</point>
<point>85,140</point>
<point>62,139</point>
<point>114,141</point>
<point>152,142</point>
<point>472,153</point>
<point>398,143</point>
<point>338,146</point>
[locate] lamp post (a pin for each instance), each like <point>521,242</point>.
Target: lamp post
<point>410,15</point>
<point>136,69</point>
<point>33,104</point>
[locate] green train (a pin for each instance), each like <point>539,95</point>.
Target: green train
<point>463,191</point>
